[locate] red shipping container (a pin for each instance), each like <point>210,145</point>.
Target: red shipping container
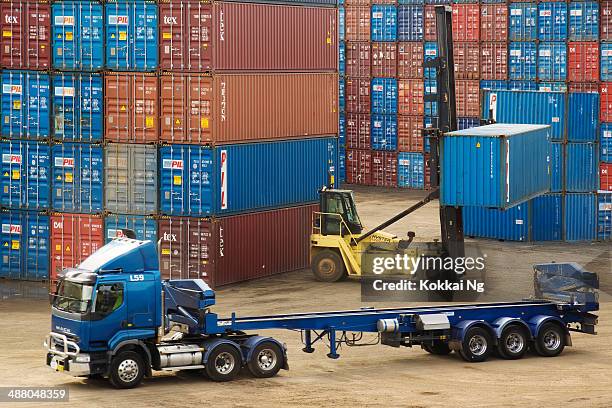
<point>236,248</point>
<point>605,94</point>
<point>468,98</point>
<point>410,134</point>
<point>466,22</point>
<point>605,16</point>
<point>359,167</point>
<point>605,176</point>
<point>583,87</point>
<point>384,169</point>
<point>26,34</point>
<point>410,94</point>
<point>494,61</point>
<point>131,107</point>
<point>358,59</point>
<point>583,62</point>
<point>357,20</point>
<point>350,3</point>
<point>410,60</point>
<point>199,36</point>
<point>494,22</point>
<point>357,94</point>
<point>231,108</point>
<point>429,23</point>
<point>358,131</point>
<point>73,238</point>
<point>384,60</point>
<point>466,56</point>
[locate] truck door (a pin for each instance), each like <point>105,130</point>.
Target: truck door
<point>109,313</point>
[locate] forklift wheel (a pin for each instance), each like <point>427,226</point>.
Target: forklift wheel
<point>327,266</point>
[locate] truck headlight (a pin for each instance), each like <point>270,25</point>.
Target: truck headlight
<point>82,358</point>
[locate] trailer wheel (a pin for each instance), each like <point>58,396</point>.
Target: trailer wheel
<point>127,370</point>
<point>438,348</point>
<point>476,345</point>
<point>513,343</point>
<point>224,363</point>
<point>550,341</point>
<point>327,266</point>
<point>266,360</point>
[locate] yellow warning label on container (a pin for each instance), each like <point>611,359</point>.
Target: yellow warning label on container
<point>177,122</point>
<point>167,36</point>
<point>165,251</point>
<point>16,175</point>
<point>122,36</point>
<point>69,36</point>
<point>178,180</point>
<point>17,104</point>
<point>331,179</point>
<point>478,145</point>
<point>7,33</point>
<point>149,121</point>
<point>6,174</point>
<point>6,119</point>
<point>58,247</point>
<point>123,108</point>
<point>204,123</point>
<point>6,244</point>
<point>329,40</point>
<point>15,245</point>
<point>67,248</point>
<point>68,177</point>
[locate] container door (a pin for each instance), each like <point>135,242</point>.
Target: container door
<point>37,40</point>
<point>12,233</point>
<point>11,25</point>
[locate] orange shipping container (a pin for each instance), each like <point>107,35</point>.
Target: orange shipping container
<point>468,98</point>
<point>467,60</point>
<point>410,133</point>
<point>384,60</point>
<point>357,21</point>
<point>231,108</point>
<point>410,93</point>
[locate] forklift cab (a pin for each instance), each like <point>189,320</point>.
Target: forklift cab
<point>338,213</point>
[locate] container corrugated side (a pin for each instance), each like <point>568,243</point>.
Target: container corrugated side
<point>552,21</point>
<point>384,23</point>
<point>557,167</point>
<point>78,107</point>
<point>78,35</point>
<point>604,216</point>
<point>583,21</point>
<point>605,142</point>
<point>523,22</point>
<point>145,227</point>
<point>216,249</point>
<point>581,167</point>
<point>130,178</point>
<point>583,120</point>
<point>410,23</point>
<point>547,218</point>
<point>131,35</point>
<point>25,245</point>
<point>495,166</point>
<point>77,171</point>
<point>411,170</point>
<point>25,105</point>
<point>25,175</point>
<point>511,224</point>
<point>580,217</point>
<point>26,34</point>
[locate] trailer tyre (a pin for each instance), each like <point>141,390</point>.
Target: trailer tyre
<point>327,266</point>
<point>266,360</point>
<point>438,348</point>
<point>224,363</point>
<point>476,345</point>
<point>513,343</point>
<point>127,370</point>
<point>550,341</point>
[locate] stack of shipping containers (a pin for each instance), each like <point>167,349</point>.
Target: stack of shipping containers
<point>558,50</point>
<point>208,126</point>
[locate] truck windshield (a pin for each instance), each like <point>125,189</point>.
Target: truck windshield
<point>73,297</point>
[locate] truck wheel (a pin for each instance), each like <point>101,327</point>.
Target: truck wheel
<point>438,348</point>
<point>476,345</point>
<point>127,370</point>
<point>513,343</point>
<point>224,363</point>
<point>266,361</point>
<point>328,266</point>
<point>550,341</point>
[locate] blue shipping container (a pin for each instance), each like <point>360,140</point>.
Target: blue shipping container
<point>584,21</point>
<point>557,166</point>
<point>77,177</point>
<point>410,23</point>
<point>410,2</point>
<point>431,107</point>
<point>542,108</point>
<point>522,63</point>
<point>606,143</point>
<point>228,179</point>
<point>341,23</point>
<point>78,42</point>
<point>25,245</point>
<point>552,87</point>
<point>78,111</point>
<point>581,167</point>
<point>342,130</point>
<point>411,170</point>
<point>606,61</point>
<point>384,95</point>
<point>511,224</point>
<point>341,58</point>
<point>341,165</point>
<point>430,50</point>
<point>604,216</point>
<point>383,25</point>
<point>467,123</point>
<point>25,105</point>
<point>546,218</point>
<point>384,132</point>
<point>341,94</point>
<point>552,61</point>
<point>580,217</point>
<point>552,21</point>
<point>496,166</point>
<point>131,35</point>
<point>144,227</point>
<point>523,22</point>
<point>494,85</point>
<point>583,117</point>
<point>25,175</point>
<point>522,86</point>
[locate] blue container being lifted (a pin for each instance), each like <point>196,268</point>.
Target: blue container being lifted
<point>77,171</point>
<point>580,217</point>
<point>230,179</point>
<point>25,245</point>
<point>384,95</point>
<point>411,170</point>
<point>131,35</point>
<point>25,175</point>
<point>78,111</point>
<point>410,23</point>
<point>581,167</point>
<point>78,35</point>
<point>384,132</point>
<point>552,61</point>
<point>583,21</point>
<point>604,216</point>
<point>494,166</point>
<point>145,227</point>
<point>523,19</point>
<point>522,62</point>
<point>552,21</point>
<point>25,105</point>
<point>383,26</point>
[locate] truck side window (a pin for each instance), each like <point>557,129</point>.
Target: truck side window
<point>109,297</point>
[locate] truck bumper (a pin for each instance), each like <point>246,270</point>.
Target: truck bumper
<point>68,365</point>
